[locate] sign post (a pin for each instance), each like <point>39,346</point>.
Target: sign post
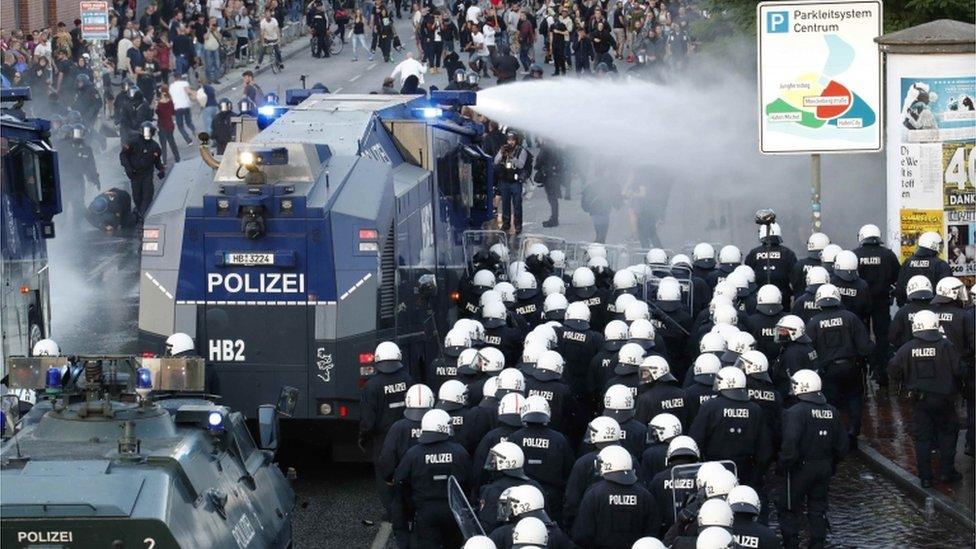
<point>819,81</point>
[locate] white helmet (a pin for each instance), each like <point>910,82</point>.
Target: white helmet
<point>483,279</point>
<point>715,512</point>
<point>740,281</point>
<point>705,368</point>
<point>925,325</point>
<point>669,289</point>
<point>49,347</point>
<point>615,464</point>
<point>553,285</point>
<point>725,314</point>
<point>746,271</point>
<point>474,327</point>
<point>506,457</point>
<point>705,470</point>
<point>682,446</point>
<point>514,268</point>
<point>490,360</point>
<point>469,361</point>
<point>828,295</point>
<point>642,330</point>
<point>845,265</point>
<point>714,537</point>
<point>727,331</point>
<point>616,330</point>
<point>816,243</point>
<point>489,296</point>
<point>773,229</point>
<point>930,240</point>
<point>806,385</point>
<point>703,251</point>
<point>507,291</point>
<point>387,357</point>
<point>598,264</point>
<point>656,256</point>
<point>490,388</point>
<point>869,232</point>
<point>531,352</point>
<point>790,328</point>
<point>538,250</point>
<point>500,250</point>
<point>755,364</point>
<point>602,429</point>
<point>453,395</point>
<point>648,543</point>
<point>680,259</point>
<point>435,426</point>
<point>577,316</point>
<point>769,300</point>
<point>525,499</point>
<point>726,289</point>
<point>950,289</point>
<point>595,249</point>
<point>618,402</point>
<point>548,332</point>
<point>624,280</point>
<point>555,306</point>
<point>417,401</point>
<point>558,258</point>
<point>731,382</point>
<point>583,277</point>
<point>537,338</point>
<point>738,344</point>
<point>712,343</point>
<point>530,532</point>
<point>829,253</point>
<point>176,344</point>
<point>622,301</point>
<point>919,288</point>
<point>510,408</point>
<point>632,355</point>
<point>743,499</point>
<point>536,410</point>
<point>637,310</point>
<point>549,366</point>
<point>480,542</point>
<point>456,341</point>
<point>663,428</point>
<point>511,380</point>
<point>730,255</point>
<point>525,285</point>
<point>816,276</point>
<point>655,368</point>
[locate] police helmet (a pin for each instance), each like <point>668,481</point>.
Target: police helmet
<point>919,288</point>
<point>712,343</point>
<point>683,446</point>
<point>46,347</point>
<point>583,278</point>
<point>468,361</point>
<point>930,240</point>
<point>624,280</point>
<point>499,252</point>
<point>740,281</point>
<point>526,286</point>
<point>452,395</point>
<point>511,380</point>
<point>806,385</point>
<point>790,328</point>
<point>527,500</point>
<point>715,512</point>
<point>630,357</point>
<point>554,307</point>
<point>771,231</point>
<point>615,464</point>
<point>530,532</point>
<point>816,243</point>
<point>417,401</point>
<point>507,291</point>
<point>769,300</point>
<point>680,260</point>
<point>548,333</point>
<point>755,364</point>
<point>828,295</point>
<point>558,258</point>
<point>618,402</point>
<point>642,332</point>
<point>537,250</point>
<point>477,330</point>
<point>637,310</point>
<point>706,366</point>
<point>78,132</point>
<point>615,335</point>
<point>925,326</point>
<point>536,410</point>
<point>491,360</point>
<point>816,276</point>
<point>950,289</point>
<point>736,345</point>
<point>548,366</point>
<point>489,390</point>
<point>483,280</point>
<point>598,264</point>
<point>704,471</point>
<point>510,404</point>
<point>577,316</point>
<point>655,368</point>
<point>869,234</point>
<point>387,357</point>
<point>435,426</point>
<point>845,265</point>
<point>459,75</point>
<point>703,256</point>
<point>714,537</point>
<point>648,543</point>
<point>727,289</point>
<point>595,249</point>
<point>718,484</point>
<point>478,542</point>
<point>829,254</point>
<point>749,274</point>
<point>148,130</point>
<point>730,255</point>
<point>621,302</point>
<point>731,382</point>
<point>490,296</point>
<point>494,314</point>
<point>725,314</point>
<point>531,352</point>
<point>246,106</point>
<point>663,428</point>
<point>602,430</point>
<point>669,291</point>
<point>744,499</point>
<point>506,458</point>
<point>656,256</point>
<point>225,105</point>
<point>553,285</point>
<point>537,338</point>
<point>179,344</point>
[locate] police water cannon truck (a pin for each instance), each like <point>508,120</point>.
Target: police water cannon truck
<point>126,452</point>
<point>294,254</point>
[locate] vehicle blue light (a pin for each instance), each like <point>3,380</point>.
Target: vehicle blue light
<point>215,421</point>
<point>53,381</point>
<point>431,112</point>
<point>143,378</point>
<point>267,110</point>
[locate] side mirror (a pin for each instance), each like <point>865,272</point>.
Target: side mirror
<point>427,286</point>
<point>268,428</point>
<point>287,400</point>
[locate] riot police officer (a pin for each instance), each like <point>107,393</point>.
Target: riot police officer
<point>499,334</point>
<point>616,511</point>
<point>853,291</point>
<point>528,299</point>
<point>554,307</point>
<point>506,463</point>
<point>77,159</point>
<point>660,392</point>
<point>814,441</point>
<point>762,391</point>
<point>746,530</point>
<point>121,103</point>
<point>796,352</point>
<point>475,367</point>
<point>110,211</point>
<point>919,294</point>
<point>928,366</point>
<point>626,372</point>
<point>381,404</point>
<point>445,367</point>
<point>714,512</point>
<point>805,306</point>
<point>703,260</point>
<point>672,322</point>
<point>135,116</point>
<point>619,403</point>
<point>549,457</point>
<point>762,323</point>
<point>138,158</point>
<point>578,344</point>
<point>815,244</point>
<point>602,431</point>
<point>772,261</point>
<point>842,346</point>
<point>420,484</point>
<point>526,503</point>
<point>604,362</point>
<point>682,450</point>
<point>703,375</point>
<point>729,257</point>
<point>470,292</point>
<point>452,397</point>
<point>509,420</point>
<point>661,430</point>
<point>222,125</point>
<point>878,266</point>
<point>583,288</point>
<point>950,298</point>
<point>544,380</point>
<point>925,261</point>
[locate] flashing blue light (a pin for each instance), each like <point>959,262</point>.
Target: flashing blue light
<point>53,381</point>
<point>143,378</point>
<point>3,423</point>
<point>266,110</point>
<point>432,112</point>
<point>215,421</point>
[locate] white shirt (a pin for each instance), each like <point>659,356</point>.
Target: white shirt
<point>270,30</point>
<point>407,67</point>
<point>43,49</point>
<point>179,90</point>
<point>123,53</point>
<point>489,35</point>
<point>478,39</point>
<point>473,14</point>
<point>216,8</point>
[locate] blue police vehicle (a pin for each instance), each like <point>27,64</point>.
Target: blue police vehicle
<point>30,197</point>
<point>321,235</point>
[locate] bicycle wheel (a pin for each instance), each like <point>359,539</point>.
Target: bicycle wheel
<point>336,47</point>
<point>314,47</point>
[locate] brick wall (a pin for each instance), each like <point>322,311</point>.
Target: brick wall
<point>35,14</point>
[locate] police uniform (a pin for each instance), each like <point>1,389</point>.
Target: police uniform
<point>719,274</point>
<point>596,298</point>
<point>798,278</point>
<point>530,309</point>
<point>901,325</point>
<point>138,158</point>
<point>578,347</point>
<point>469,298</point>
<point>548,460</point>
<point>763,327</point>
<point>805,305</point>
<point>928,366</point>
<point>854,295</point>
<point>489,494</point>
<point>615,515</point>
<point>562,404</point>
<point>506,339</point>
<point>814,441</point>
<point>735,430</point>
<point>695,395</point>
<point>673,323</point>
<point>956,325</point>
<point>381,404</point>
<point>752,534</point>
<point>441,369</point>
<point>653,461</point>
<point>502,536</point>
<point>793,357</point>
<point>222,129</point>
<point>661,397</point>
<point>923,262</point>
<point>421,492</point>
<point>400,438</point>
<point>501,433</point>
<point>780,261</point>
<point>878,266</point>
<point>602,365</point>
<point>581,476</point>
<point>661,487</point>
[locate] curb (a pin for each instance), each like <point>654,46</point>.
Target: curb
<point>267,67</point>
<point>910,484</point>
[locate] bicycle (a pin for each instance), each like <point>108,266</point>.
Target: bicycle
<point>335,46</point>
<point>274,52</point>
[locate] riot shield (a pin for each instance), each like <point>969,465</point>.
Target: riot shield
<point>175,373</point>
<point>680,273</point>
<point>684,486</point>
<point>30,373</point>
<point>526,241</point>
<point>474,241</point>
<point>464,515</point>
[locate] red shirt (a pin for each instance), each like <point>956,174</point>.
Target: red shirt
<point>164,116</point>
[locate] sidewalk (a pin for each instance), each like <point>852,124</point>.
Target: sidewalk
<point>887,444</point>
<point>294,43</point>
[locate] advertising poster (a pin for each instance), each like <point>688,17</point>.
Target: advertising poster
<point>914,223</point>
<point>959,205</point>
<point>938,109</point>
<point>94,20</point>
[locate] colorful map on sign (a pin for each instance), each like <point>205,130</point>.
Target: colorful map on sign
<point>813,100</point>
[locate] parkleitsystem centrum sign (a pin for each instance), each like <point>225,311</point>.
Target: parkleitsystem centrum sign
<point>819,77</point>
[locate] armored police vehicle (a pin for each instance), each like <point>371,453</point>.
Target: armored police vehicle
<point>322,235</point>
<point>105,460</point>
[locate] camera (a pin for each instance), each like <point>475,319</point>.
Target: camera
<point>765,216</point>
<point>252,222</point>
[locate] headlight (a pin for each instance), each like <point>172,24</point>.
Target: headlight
<point>246,159</point>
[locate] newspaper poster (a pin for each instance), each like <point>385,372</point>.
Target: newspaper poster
<point>915,222</point>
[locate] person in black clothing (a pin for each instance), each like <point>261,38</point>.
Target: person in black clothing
<point>111,211</point>
<point>559,36</point>
<point>772,261</point>
<point>87,100</point>
<point>583,51</point>
<point>925,261</point>
<point>320,30</point>
<point>795,352</point>
<point>136,115</point>
<point>919,295</point>
<point>383,31</point>
<point>222,126</point>
<point>505,66</point>
<point>746,530</point>
<point>138,158</point>
<point>878,266</point>
<point>547,174</point>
